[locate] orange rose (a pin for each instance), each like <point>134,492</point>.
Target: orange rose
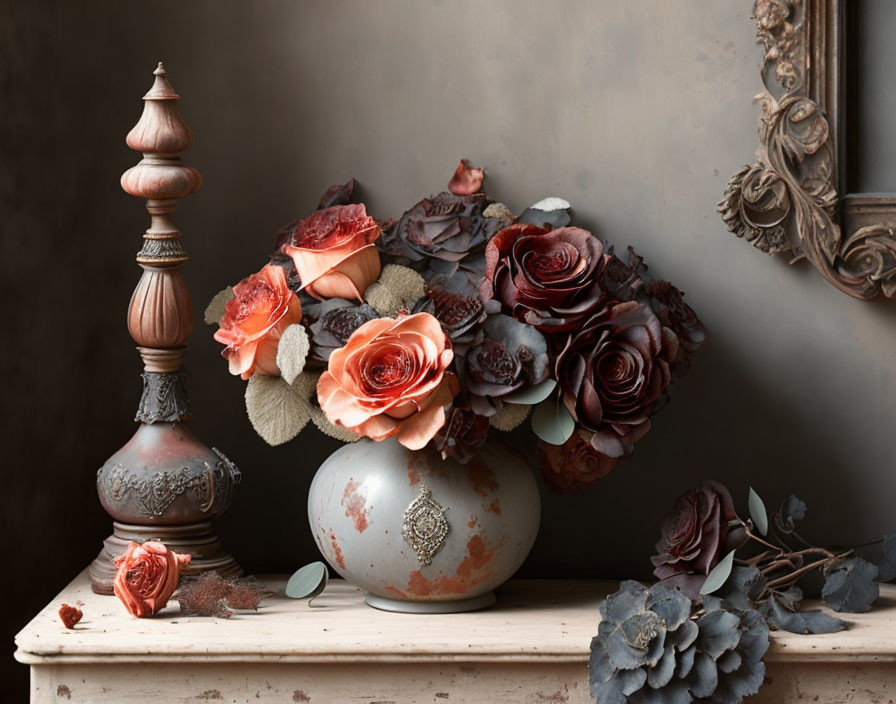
<point>390,379</point>
<point>263,307</point>
<point>147,577</point>
<point>334,251</point>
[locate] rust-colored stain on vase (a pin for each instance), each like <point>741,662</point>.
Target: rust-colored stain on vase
<point>413,474</point>
<point>483,478</point>
<point>355,505</point>
<point>470,573</point>
<point>494,507</point>
<point>337,551</point>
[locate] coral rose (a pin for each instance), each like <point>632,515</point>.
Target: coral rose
<point>613,372</point>
<point>334,252</point>
<point>546,278</point>
<point>390,380</point>
<point>147,576</point>
<point>262,308</point>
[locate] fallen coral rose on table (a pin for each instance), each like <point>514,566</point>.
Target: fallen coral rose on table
<point>147,576</point>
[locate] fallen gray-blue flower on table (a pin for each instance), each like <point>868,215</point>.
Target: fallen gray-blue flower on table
<point>655,646</point>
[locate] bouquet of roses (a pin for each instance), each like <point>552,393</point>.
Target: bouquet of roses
<point>456,319</point>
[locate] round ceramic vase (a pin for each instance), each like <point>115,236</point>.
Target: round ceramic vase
<point>421,534</point>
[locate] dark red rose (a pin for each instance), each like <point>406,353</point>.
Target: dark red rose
<point>546,278</point>
<point>613,372</point>
<point>462,433</point>
<point>668,303</point>
<point>701,529</point>
<point>573,466</point>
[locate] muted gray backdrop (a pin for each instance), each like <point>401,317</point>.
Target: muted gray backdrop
<point>636,112</point>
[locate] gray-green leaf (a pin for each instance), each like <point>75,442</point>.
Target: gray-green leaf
<point>758,512</point>
<point>292,350</point>
<point>718,575</point>
<point>887,568</point>
<point>214,311</point>
<point>552,422</point>
<point>276,410</point>
<point>308,581</point>
<point>851,585</point>
<point>801,621</point>
<point>532,395</point>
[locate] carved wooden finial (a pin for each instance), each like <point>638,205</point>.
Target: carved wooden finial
<point>160,317</point>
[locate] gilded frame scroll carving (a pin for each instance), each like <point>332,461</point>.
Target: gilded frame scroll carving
<point>788,201</point>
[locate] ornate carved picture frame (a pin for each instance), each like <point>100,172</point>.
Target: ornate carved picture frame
<point>788,201</point>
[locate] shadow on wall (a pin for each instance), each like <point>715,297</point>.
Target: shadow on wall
<point>739,430</point>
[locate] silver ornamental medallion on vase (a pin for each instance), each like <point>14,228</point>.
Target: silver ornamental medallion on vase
<point>425,526</point>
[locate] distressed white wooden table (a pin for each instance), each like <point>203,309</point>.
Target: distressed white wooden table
<point>531,647</point>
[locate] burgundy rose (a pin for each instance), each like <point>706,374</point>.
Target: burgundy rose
<point>613,372</point>
<point>507,356</point>
<point>701,529</point>
<point>668,304</point>
<point>547,278</point>
<point>621,281</point>
<point>573,466</point>
<point>335,321</point>
<point>463,432</point>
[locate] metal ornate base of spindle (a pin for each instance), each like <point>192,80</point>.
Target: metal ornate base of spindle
<point>197,539</point>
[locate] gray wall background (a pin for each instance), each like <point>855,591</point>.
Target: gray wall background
<point>636,112</point>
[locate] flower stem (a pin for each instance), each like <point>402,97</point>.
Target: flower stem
<point>796,574</point>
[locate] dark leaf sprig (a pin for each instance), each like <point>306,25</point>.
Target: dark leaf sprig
<point>764,568</point>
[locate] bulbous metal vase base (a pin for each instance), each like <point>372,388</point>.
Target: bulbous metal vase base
<point>431,607</point>
<point>195,539</point>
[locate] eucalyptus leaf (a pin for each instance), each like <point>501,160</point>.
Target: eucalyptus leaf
<point>308,581</point>
<point>718,575</point>
<point>552,422</point>
<point>758,512</point>
<point>533,394</point>
<point>851,585</point>
<point>886,571</point>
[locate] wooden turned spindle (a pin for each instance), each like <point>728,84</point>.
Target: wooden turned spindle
<point>164,484</point>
